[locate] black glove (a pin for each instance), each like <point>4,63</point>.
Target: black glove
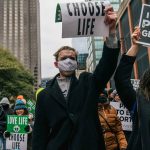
<point>27,128</point>
<point>6,134</point>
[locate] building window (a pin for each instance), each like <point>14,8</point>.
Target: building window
<point>98,44</point>
<point>98,54</point>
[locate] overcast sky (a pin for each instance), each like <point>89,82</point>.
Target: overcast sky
<point>50,35</point>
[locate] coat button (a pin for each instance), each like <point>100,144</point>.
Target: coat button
<point>71,115</point>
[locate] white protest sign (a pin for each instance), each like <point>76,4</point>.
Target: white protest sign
<point>144,25</point>
<point>83,19</point>
<point>135,83</point>
<point>16,141</point>
<point>124,115</point>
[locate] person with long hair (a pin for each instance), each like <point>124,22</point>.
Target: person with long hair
<point>137,102</point>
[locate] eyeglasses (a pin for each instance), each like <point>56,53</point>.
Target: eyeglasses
<point>70,57</point>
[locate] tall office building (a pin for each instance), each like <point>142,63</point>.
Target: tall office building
<point>20,33</point>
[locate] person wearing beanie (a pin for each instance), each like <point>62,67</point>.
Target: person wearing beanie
<point>4,111</point>
<point>112,129</point>
<point>20,108</point>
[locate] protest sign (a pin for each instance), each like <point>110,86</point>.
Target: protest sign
<point>16,141</point>
<point>124,115</point>
<point>144,25</point>
<point>16,124</point>
<point>82,19</point>
<point>135,83</point>
<point>31,107</point>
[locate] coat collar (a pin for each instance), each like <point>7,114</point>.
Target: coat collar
<point>56,93</point>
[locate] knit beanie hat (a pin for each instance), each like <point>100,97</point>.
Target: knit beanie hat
<point>24,101</point>
<point>19,105</point>
<point>5,101</point>
<point>20,97</point>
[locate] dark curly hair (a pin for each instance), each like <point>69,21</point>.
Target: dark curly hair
<point>145,84</point>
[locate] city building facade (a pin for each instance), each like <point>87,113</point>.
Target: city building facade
<point>128,18</point>
<point>80,44</point>
<point>81,63</point>
<point>20,33</point>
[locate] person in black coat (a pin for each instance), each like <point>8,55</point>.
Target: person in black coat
<point>66,115</point>
<point>137,103</point>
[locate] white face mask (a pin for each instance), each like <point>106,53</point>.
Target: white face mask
<point>67,65</point>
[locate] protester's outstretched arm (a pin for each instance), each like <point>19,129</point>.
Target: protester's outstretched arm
<point>123,73</point>
<point>108,62</point>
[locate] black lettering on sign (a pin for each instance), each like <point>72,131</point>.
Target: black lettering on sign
<point>121,118</point>
<point>79,30</point>
<point>84,9</point>
<point>103,10</point>
<point>76,9</point>
<point>98,8</point>
<point>15,145</point>
<point>91,8</point>
<point>121,105</point>
<point>125,119</point>
<point>83,30</point>
<point>117,111</point>
<point>92,26</point>
<point>70,13</point>
<point>121,112</point>
<point>127,113</point>
<point>22,136</point>
<point>86,26</point>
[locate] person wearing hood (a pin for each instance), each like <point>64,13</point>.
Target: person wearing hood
<point>4,111</point>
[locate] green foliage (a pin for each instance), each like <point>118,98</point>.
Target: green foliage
<point>14,78</point>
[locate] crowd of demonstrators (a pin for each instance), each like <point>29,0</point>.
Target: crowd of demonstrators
<point>112,129</point>
<point>20,109</point>
<point>137,102</point>
<point>66,115</point>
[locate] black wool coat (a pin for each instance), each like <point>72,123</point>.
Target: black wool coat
<point>136,103</point>
<point>75,125</point>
